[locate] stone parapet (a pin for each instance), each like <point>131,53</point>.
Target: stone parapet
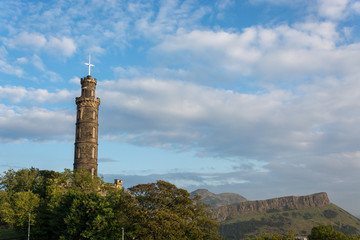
<point>85,102</point>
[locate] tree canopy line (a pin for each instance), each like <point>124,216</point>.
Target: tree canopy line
<point>320,232</point>
<point>75,205</point>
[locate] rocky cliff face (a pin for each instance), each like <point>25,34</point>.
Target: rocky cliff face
<point>284,203</point>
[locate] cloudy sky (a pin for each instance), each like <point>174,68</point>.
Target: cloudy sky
<point>257,97</point>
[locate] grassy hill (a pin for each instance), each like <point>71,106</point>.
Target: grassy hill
<point>283,221</point>
<point>281,215</point>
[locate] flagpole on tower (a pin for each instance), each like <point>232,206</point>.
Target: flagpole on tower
<point>89,64</point>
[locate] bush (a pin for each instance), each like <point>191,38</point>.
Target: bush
<point>330,214</point>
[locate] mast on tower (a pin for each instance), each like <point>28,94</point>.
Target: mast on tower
<point>89,65</point>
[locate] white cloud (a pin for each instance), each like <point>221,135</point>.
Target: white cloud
<point>34,124</point>
<point>282,52</point>
<point>10,69</point>
<point>13,93</point>
<point>356,7</point>
<point>96,49</point>
<point>18,94</point>
<point>75,80</point>
<point>43,96</point>
<point>3,52</point>
<point>37,62</point>
<point>28,40</point>
<point>223,4</point>
<point>279,2</point>
<point>22,60</point>
<point>51,76</point>
<point>6,67</point>
<point>172,15</point>
<point>58,29</point>
<point>128,72</point>
<point>217,122</point>
<point>63,46</point>
<point>333,9</point>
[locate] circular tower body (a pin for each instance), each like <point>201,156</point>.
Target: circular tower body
<point>86,136</point>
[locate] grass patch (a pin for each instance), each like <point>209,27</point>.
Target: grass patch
<point>6,233</point>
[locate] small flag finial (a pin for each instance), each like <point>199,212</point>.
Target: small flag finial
<point>89,64</point>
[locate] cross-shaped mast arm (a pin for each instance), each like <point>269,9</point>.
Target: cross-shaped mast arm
<point>89,64</point>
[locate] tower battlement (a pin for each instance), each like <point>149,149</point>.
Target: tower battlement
<point>89,79</point>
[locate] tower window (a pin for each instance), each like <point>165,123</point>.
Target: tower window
<point>94,115</point>
<point>80,113</point>
<point>92,93</point>
<point>77,132</point>
<point>78,152</point>
<point>93,152</point>
<point>93,133</point>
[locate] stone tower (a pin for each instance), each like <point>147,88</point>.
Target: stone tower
<point>86,137</point>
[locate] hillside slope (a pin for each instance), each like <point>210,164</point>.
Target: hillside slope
<point>281,215</point>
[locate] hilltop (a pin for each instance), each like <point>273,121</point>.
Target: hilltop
<point>280,215</point>
<point>217,200</point>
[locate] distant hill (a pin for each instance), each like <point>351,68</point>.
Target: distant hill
<point>217,200</point>
<point>244,219</point>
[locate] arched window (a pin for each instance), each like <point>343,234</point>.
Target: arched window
<point>94,115</point>
<point>93,152</point>
<point>93,133</point>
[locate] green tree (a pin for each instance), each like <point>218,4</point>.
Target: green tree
<point>88,216</point>
<point>264,236</point>
<point>328,232</point>
<point>320,232</point>
<point>21,180</point>
<point>163,211</point>
<point>16,207</point>
<point>76,205</point>
<point>80,207</point>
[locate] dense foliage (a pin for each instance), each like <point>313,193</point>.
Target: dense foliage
<point>320,232</point>
<point>329,232</point>
<point>166,212</point>
<point>79,206</point>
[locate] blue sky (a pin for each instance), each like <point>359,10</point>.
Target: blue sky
<point>257,97</point>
